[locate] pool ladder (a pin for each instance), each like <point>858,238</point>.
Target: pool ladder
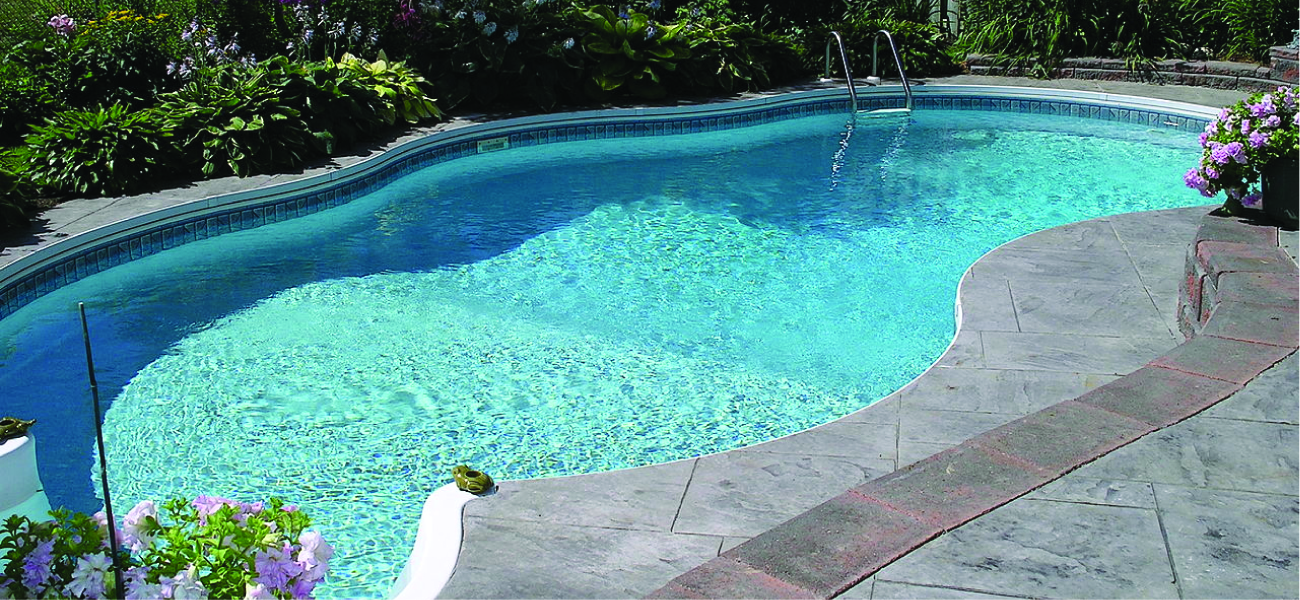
<point>874,79</point>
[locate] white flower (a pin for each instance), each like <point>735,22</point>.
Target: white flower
<point>257,592</point>
<point>186,585</point>
<point>512,34</point>
<point>136,525</point>
<point>88,576</point>
<point>489,29</point>
<point>315,555</point>
<point>479,17</point>
<point>568,43</point>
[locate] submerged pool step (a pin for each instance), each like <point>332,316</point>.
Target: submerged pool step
<point>880,113</point>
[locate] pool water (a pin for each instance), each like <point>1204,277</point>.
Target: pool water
<point>562,309</point>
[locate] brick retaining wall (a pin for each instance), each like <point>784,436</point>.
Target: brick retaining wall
<point>1211,73</point>
<point>1236,272</point>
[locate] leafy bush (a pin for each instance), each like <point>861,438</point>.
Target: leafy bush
<point>101,152</point>
<point>25,98</point>
<point>337,109</point>
<point>236,122</point>
<point>629,53</point>
<point>17,202</point>
<point>731,57</point>
<point>1255,25</point>
<point>923,48</point>
<point>490,51</point>
<point>402,92</point>
<point>121,58</point>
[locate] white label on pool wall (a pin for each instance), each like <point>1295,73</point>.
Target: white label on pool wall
<point>493,145</point>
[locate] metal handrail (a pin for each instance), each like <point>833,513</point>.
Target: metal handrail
<point>853,94</point>
<point>875,45</point>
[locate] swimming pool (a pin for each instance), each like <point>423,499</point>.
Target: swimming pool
<point>588,305</point>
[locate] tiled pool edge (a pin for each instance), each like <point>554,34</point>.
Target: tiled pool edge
<point>1237,278</point>
<point>71,259</point>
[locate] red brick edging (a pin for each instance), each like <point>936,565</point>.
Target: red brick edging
<point>1238,309</point>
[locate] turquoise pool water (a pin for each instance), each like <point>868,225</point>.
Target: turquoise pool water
<point>563,309</point>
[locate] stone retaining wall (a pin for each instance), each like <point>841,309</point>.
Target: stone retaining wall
<point>1236,272</point>
<point>1215,74</point>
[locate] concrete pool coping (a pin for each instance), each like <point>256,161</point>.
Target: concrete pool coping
<point>82,216</point>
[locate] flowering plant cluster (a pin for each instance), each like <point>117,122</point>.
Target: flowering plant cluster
<point>1245,137</point>
<point>210,547</point>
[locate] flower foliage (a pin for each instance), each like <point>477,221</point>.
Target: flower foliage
<point>1236,146</point>
<point>210,547</point>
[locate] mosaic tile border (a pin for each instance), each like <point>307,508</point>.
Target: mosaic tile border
<point>141,243</point>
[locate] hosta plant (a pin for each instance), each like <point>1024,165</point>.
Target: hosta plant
<point>404,92</point>
<point>236,122</point>
<point>102,152</point>
<point>208,547</point>
<point>338,109</point>
<point>730,57</point>
<point>630,52</point>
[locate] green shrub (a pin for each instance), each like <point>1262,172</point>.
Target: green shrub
<point>337,109</point>
<point>731,57</point>
<point>101,152</point>
<point>1255,25</point>
<point>402,92</point>
<point>497,51</point>
<point>629,53</point>
<point>236,122</point>
<point>25,98</point>
<point>17,194</point>
<point>923,48</point>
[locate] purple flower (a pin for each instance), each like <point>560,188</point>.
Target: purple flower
<point>63,25</point>
<point>88,576</point>
<point>315,555</point>
<point>36,569</point>
<point>275,567</point>
<point>1194,180</point>
<point>139,589</point>
<point>209,505</point>
<point>1225,115</point>
<point>1258,139</point>
<point>289,508</point>
<point>1245,126</point>
<point>1252,200</point>
<point>1211,173</point>
<point>302,587</point>
<point>1273,122</point>
<point>1264,108</point>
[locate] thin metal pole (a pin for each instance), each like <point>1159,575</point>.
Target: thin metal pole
<point>103,460</point>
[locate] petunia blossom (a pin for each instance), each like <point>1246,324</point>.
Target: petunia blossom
<point>88,576</point>
<point>275,567</point>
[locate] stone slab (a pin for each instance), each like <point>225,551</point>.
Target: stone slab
<point>1173,227</point>
<point>1276,289</point>
<point>1084,308</point>
<point>1228,257</point>
<point>1071,353</point>
<point>724,577</point>
<point>838,438</point>
<point>1258,323</point>
<point>1159,266</point>
<point>1062,437</point>
<point>1159,396</point>
<point>834,546</point>
<point>988,304</point>
<point>1210,453</point>
<point>1219,358</point>
<point>1094,236</point>
<point>744,493</point>
<point>1064,266</point>
<point>1042,549</point>
<point>1271,397</point>
<point>966,351</point>
<point>1086,490</point>
<point>1232,544</point>
<point>943,426</point>
<point>1231,229</point>
<point>643,498</point>
<point>953,487</point>
<point>566,561</point>
<point>1014,392</point>
<point>893,590</point>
